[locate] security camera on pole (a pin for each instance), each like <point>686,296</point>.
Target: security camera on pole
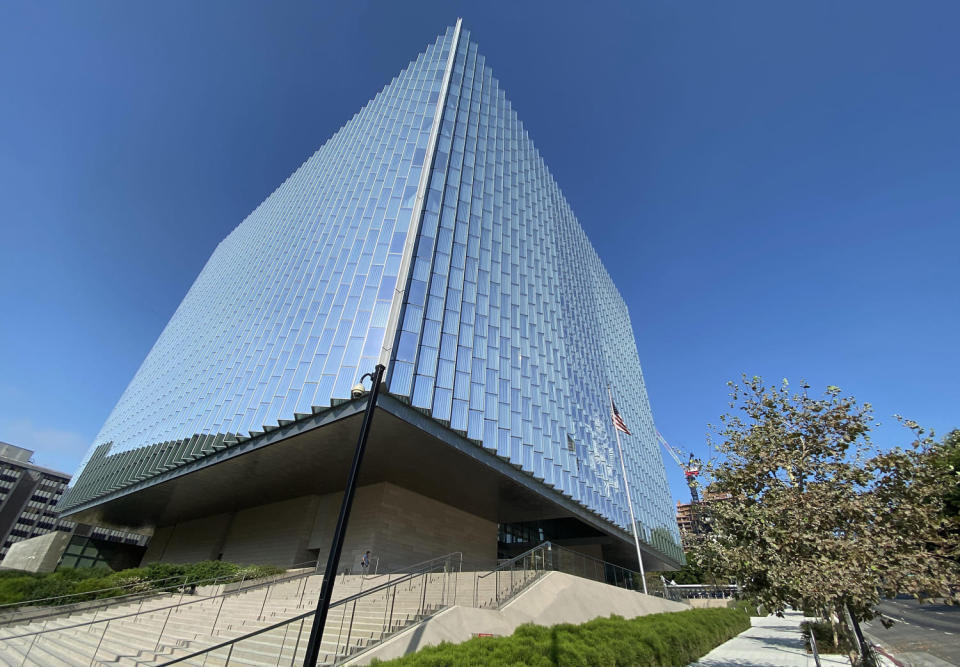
<point>326,588</point>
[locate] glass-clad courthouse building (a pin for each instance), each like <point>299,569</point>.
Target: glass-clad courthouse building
<point>427,234</point>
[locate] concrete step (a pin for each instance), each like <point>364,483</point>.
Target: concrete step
<point>127,640</point>
<point>43,653</point>
<point>190,627</point>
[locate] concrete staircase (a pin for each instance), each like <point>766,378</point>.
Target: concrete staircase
<point>158,630</point>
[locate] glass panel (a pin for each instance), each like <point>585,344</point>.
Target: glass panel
<point>503,273</point>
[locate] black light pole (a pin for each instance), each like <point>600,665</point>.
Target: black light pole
<point>326,588</point>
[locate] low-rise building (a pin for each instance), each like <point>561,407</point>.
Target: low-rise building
<point>28,498</point>
<point>689,514</point>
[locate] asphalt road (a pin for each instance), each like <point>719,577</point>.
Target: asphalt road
<point>920,628</point>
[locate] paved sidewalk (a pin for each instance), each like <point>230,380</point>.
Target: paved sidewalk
<point>773,642</point>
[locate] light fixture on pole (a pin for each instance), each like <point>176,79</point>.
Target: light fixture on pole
<point>326,588</point>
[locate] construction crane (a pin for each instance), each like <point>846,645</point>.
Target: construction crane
<point>691,469</point>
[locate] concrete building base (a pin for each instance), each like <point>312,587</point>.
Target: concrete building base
<point>283,479</point>
<point>398,526</point>
<point>38,554</point>
<point>556,598</point>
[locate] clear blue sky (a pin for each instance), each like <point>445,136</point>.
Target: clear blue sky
<point>775,187</point>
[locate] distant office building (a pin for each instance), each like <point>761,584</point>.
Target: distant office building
<point>28,498</point>
<point>689,515</point>
<point>428,235</point>
<point>686,517</point>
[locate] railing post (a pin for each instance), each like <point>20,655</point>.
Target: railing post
<point>93,658</point>
<point>162,629</point>
<point>423,596</point>
<point>283,643</point>
<point>296,646</point>
<point>346,644</point>
<point>217,617</point>
<point>264,605</point>
<point>445,582</point>
<point>303,592</point>
<point>383,628</point>
<point>29,648</point>
<point>393,598</point>
<point>459,576</point>
<point>813,647</point>
<point>183,589</point>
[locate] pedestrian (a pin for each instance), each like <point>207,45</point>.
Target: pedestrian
<point>365,562</point>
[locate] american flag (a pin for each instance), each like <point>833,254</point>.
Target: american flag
<point>617,419</point>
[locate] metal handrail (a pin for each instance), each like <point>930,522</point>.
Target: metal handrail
<point>813,646</point>
<point>505,567</point>
<point>513,560</point>
<point>247,589</point>
<point>550,545</point>
<point>23,603</point>
<point>593,558</point>
<point>545,565</point>
<point>305,615</point>
<point>407,568</point>
<point>258,584</point>
<point>59,610</point>
<point>69,609</point>
<point>602,562</point>
<point>423,563</point>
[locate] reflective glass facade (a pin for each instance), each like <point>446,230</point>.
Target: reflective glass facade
<point>427,233</point>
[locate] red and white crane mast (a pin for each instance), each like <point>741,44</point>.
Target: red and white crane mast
<point>691,469</point>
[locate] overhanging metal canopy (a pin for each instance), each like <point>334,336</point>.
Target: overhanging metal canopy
<point>312,456</point>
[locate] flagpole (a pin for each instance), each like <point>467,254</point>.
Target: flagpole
<point>626,485</point>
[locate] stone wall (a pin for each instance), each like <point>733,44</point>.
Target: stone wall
<point>189,541</point>
<point>274,534</point>
<point>399,528</point>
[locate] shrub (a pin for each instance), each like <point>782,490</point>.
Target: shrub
<point>82,574</point>
<point>258,572</point>
<point>16,587</point>
<point>89,583</point>
<point>823,633</point>
<point>164,574</point>
<point>664,640</point>
<point>208,570</point>
<point>51,586</point>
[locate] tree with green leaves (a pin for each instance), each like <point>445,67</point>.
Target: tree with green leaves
<point>950,460</point>
<point>818,519</point>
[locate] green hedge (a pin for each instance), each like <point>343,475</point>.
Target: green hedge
<point>660,640</point>
<point>86,583</point>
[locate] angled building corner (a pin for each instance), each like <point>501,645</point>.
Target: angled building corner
<point>429,235</point>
